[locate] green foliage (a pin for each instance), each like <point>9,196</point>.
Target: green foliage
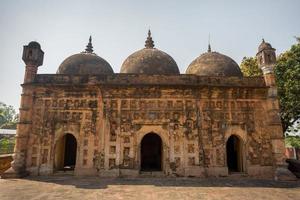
<point>287,72</point>
<point>8,117</point>
<point>4,142</point>
<point>7,145</point>
<point>293,141</point>
<point>249,67</point>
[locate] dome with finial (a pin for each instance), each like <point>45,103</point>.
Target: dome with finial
<point>150,60</point>
<point>214,64</point>
<point>85,63</point>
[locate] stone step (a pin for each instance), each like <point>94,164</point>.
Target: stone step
<point>64,173</point>
<point>152,174</point>
<point>237,175</point>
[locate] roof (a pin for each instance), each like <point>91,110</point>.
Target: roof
<point>150,60</point>
<point>8,132</point>
<point>84,63</point>
<point>44,80</point>
<point>214,64</point>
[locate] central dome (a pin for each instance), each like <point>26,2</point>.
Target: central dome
<point>85,63</point>
<point>150,61</point>
<point>214,64</point>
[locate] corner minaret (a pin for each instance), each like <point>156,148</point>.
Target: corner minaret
<point>266,58</point>
<point>33,57</point>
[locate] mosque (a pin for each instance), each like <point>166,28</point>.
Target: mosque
<point>149,119</point>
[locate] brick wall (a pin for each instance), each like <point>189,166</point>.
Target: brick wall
<point>5,161</point>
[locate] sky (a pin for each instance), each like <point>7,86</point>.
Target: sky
<point>119,28</point>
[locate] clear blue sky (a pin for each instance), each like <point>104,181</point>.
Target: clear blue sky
<point>119,28</point>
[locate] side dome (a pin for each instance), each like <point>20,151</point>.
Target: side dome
<point>150,61</point>
<point>214,64</point>
<point>85,63</point>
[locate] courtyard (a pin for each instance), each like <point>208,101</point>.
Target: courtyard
<point>94,188</point>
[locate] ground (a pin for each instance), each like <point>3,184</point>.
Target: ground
<point>91,188</point>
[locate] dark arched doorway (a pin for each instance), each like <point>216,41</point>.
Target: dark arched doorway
<point>234,154</point>
<point>65,153</point>
<point>151,150</point>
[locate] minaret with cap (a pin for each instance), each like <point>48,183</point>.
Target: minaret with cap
<point>33,57</point>
<point>266,59</point>
<point>149,43</point>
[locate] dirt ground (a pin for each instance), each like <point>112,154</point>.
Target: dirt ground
<point>94,188</point>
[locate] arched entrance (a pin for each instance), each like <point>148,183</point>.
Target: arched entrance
<point>151,153</point>
<point>65,153</point>
<point>234,150</point>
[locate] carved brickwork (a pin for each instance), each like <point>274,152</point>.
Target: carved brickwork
<point>53,111</point>
<point>119,124</point>
<point>110,122</point>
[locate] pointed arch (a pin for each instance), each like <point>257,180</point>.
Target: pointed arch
<point>151,152</point>
<point>235,154</point>
<point>65,152</point>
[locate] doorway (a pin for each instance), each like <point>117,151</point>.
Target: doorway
<point>65,153</point>
<point>151,150</point>
<point>234,154</point>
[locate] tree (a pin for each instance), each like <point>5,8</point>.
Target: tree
<point>293,141</point>
<point>287,73</point>
<point>7,145</point>
<point>250,67</point>
<point>8,117</point>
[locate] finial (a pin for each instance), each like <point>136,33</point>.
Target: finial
<point>263,40</point>
<point>149,42</point>
<point>89,47</point>
<point>209,47</point>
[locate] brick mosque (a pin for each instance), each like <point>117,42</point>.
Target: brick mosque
<point>149,118</point>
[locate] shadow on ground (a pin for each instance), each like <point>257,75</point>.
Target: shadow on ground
<point>102,183</point>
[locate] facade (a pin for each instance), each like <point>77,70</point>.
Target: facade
<point>210,121</point>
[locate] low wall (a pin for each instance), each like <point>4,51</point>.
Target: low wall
<point>292,153</point>
<point>5,161</point>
